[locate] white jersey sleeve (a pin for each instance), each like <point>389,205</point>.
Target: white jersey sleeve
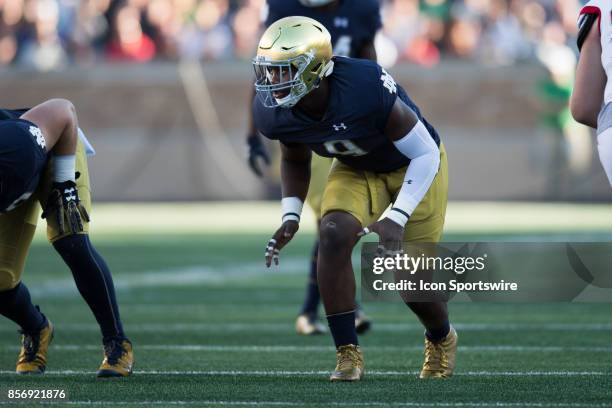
<point>603,9</point>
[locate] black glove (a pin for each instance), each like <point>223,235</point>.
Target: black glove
<point>64,201</point>
<point>257,151</point>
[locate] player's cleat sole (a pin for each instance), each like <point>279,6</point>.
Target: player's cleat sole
<point>306,326</point>
<point>440,358</point>
<point>349,364</point>
<point>362,322</point>
<point>118,359</point>
<point>34,347</point>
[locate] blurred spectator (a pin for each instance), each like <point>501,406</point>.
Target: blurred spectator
<point>43,49</point>
<point>246,25</point>
<point>464,37</point>
<point>208,36</point>
<point>403,27</point>
<point>12,14</point>
<point>89,28</point>
<point>8,48</point>
<point>128,42</point>
<point>503,39</point>
<point>49,34</point>
<point>165,20</point>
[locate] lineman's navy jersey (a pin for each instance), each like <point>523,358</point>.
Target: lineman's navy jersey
<point>351,25</point>
<point>352,129</point>
<point>23,157</point>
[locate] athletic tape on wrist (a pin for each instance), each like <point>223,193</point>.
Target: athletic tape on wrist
<point>292,209</point>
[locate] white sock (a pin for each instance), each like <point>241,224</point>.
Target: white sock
<point>64,168</point>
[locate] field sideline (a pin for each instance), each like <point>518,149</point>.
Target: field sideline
<point>263,216</point>
<point>213,328</point>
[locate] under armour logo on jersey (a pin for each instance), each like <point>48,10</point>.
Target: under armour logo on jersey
<point>69,194</point>
<point>388,82</point>
<point>40,139</point>
<point>341,22</point>
<point>340,127</point>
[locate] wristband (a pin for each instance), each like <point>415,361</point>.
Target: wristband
<point>64,168</point>
<point>398,216</point>
<point>292,208</point>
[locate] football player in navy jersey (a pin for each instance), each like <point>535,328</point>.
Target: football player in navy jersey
<point>385,153</point>
<point>352,24</point>
<point>43,159</point>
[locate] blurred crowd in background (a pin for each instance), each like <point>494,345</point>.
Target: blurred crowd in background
<point>50,34</point>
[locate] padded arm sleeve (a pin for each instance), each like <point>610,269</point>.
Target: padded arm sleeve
<point>424,156</point>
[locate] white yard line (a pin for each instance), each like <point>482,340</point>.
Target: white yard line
<point>330,404</point>
<point>376,373</point>
<point>179,277</point>
<point>326,349</point>
<point>284,327</point>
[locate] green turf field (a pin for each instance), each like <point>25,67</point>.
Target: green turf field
<point>212,327</point>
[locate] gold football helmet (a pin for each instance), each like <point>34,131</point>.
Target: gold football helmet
<point>293,55</point>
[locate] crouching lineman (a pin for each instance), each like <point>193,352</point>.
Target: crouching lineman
<point>43,159</point>
<point>591,102</point>
<point>386,152</point>
<point>352,25</point>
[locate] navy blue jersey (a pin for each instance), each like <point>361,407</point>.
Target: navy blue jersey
<point>351,25</point>
<point>361,97</point>
<point>22,159</point>
<point>12,113</point>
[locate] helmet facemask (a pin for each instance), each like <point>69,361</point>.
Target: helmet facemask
<point>281,77</point>
<point>284,83</point>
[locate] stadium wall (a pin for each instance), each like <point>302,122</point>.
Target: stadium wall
<point>176,131</point>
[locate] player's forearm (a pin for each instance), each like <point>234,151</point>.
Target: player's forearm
<point>588,93</point>
<point>295,178</point>
<point>251,129</point>
<point>424,157</point>
<point>587,96</point>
